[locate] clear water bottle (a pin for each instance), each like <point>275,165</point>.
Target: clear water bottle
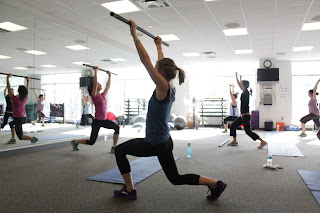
<point>278,127</point>
<point>269,159</point>
<point>189,150</point>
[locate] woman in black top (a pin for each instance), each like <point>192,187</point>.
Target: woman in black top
<point>245,115</point>
<point>8,112</point>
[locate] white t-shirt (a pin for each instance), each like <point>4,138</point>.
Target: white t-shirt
<point>234,111</point>
<point>87,108</point>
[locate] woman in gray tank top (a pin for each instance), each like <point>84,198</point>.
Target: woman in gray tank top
<point>158,141</point>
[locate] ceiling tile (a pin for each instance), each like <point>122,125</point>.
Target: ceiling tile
<point>193,10</point>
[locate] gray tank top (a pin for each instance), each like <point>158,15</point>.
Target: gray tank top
<point>157,129</point>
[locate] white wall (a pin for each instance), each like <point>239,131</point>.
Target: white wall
<point>281,108</point>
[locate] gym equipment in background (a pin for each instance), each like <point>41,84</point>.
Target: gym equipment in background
<point>180,123</point>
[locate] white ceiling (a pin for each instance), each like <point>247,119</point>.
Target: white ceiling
<point>273,27</point>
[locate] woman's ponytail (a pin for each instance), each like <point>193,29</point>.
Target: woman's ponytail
<point>250,91</point>
<point>182,75</point>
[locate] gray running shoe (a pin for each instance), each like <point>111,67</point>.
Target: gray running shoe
<point>74,145</point>
<point>303,134</point>
<point>12,141</point>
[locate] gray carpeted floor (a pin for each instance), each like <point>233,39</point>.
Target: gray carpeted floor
<point>54,180</point>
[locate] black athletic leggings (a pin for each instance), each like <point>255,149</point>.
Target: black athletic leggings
<point>309,117</point>
<point>96,124</point>
<point>5,119</point>
<point>140,148</point>
<point>17,125</point>
<point>229,118</point>
<point>245,120</point>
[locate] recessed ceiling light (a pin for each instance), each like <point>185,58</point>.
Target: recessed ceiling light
<point>235,32</point>
<point>311,26</point>
<point>77,47</point>
<point>11,26</point>
<point>35,52</point>
<point>150,26</point>
<point>169,37</point>
<point>80,63</point>
<point>48,66</point>
<point>4,57</point>
<point>20,68</point>
<point>190,54</point>
<point>119,7</point>
<point>117,59</point>
<point>246,51</point>
<point>303,48</point>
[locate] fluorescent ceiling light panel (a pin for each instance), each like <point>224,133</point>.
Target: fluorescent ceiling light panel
<point>48,66</point>
<point>117,59</point>
<point>304,48</point>
<point>190,54</point>
<point>35,52</point>
<point>20,68</point>
<point>311,26</point>
<point>169,37</point>
<point>119,7</point>
<point>80,63</point>
<point>11,26</point>
<point>236,32</point>
<point>4,57</point>
<point>210,0</point>
<point>77,47</point>
<point>247,51</point>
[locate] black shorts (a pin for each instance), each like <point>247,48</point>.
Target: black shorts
<point>40,114</point>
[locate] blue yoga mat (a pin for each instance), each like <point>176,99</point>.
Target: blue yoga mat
<point>312,180</point>
<point>141,168</point>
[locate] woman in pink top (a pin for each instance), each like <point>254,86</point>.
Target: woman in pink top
<point>40,106</point>
<point>313,111</point>
<point>19,112</point>
<point>100,118</point>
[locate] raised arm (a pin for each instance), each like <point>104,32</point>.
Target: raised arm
<point>8,85</point>
<point>161,83</point>
<point>315,90</point>
<point>233,102</point>
<point>95,82</point>
<point>36,94</point>
<point>158,43</point>
<point>108,84</point>
<point>44,94</point>
<point>28,78</point>
<point>239,82</point>
<point>5,92</point>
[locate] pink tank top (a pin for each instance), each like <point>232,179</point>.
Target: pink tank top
<point>19,106</point>
<point>313,106</point>
<point>100,103</point>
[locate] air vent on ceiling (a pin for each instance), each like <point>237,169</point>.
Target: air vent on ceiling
<point>4,31</point>
<point>210,54</point>
<point>151,4</point>
<point>106,60</point>
<point>21,49</point>
<point>80,41</point>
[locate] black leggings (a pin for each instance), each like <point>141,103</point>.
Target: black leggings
<point>140,148</point>
<point>309,117</point>
<point>96,124</point>
<point>229,118</point>
<point>17,125</point>
<point>5,119</point>
<point>245,120</point>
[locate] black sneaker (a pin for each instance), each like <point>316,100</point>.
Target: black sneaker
<point>124,194</point>
<point>216,191</point>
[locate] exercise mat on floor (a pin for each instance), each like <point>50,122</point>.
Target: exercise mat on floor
<point>312,180</point>
<point>284,149</point>
<point>141,168</point>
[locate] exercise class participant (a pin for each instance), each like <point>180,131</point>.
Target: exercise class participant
<point>158,141</point>
<point>8,112</point>
<point>19,112</point>
<point>40,107</point>
<point>100,118</point>
<point>313,111</point>
<point>87,110</point>
<point>245,115</point>
<point>234,112</point>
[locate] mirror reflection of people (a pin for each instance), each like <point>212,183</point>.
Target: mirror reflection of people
<point>87,109</point>
<point>158,141</point>
<point>8,112</point>
<point>19,113</point>
<point>100,118</point>
<point>40,107</point>
<point>313,111</point>
<point>234,111</point>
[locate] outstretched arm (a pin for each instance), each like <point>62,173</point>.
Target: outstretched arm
<point>28,78</point>
<point>5,92</point>
<point>95,82</point>
<point>233,102</point>
<point>8,85</point>
<point>44,94</point>
<point>315,90</point>
<point>108,84</point>
<point>36,94</point>
<point>239,82</point>
<point>158,43</point>
<point>161,83</point>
